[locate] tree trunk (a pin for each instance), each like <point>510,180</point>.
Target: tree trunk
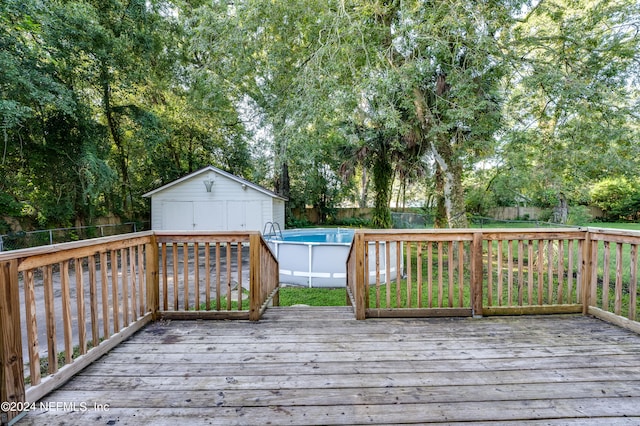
<point>450,177</point>
<point>382,179</point>
<point>440,220</point>
<point>114,129</point>
<point>364,189</point>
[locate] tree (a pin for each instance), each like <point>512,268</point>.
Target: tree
<point>51,161</point>
<point>573,97</point>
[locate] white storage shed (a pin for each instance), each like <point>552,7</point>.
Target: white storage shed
<point>214,200</point>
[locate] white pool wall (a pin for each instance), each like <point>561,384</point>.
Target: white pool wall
<point>323,264</point>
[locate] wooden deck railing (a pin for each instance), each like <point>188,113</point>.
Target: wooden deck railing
<point>64,306</point>
<point>613,277</point>
<point>493,272</point>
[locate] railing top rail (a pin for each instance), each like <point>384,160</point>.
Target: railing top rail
<point>535,234</point>
<point>466,234</point>
<point>56,249</point>
<point>264,243</point>
<point>613,231</point>
<point>472,230</point>
<point>180,234</point>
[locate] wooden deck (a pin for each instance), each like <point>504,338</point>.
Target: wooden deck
<point>320,366</point>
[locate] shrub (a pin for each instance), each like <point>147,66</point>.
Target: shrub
<point>619,198</point>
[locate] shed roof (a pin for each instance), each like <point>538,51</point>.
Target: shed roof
<point>220,172</point>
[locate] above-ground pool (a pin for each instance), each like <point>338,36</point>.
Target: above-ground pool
<point>317,257</point>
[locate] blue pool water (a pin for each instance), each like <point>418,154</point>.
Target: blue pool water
<point>318,235</point>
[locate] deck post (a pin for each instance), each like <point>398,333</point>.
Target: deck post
<point>476,275</point>
<point>153,277</point>
<point>587,264</point>
<point>254,277</point>
<point>361,275</point>
<point>11,364</point>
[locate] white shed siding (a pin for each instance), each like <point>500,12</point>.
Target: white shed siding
<point>231,204</point>
<point>277,212</point>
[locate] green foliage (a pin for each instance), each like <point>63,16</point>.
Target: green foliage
<point>619,198</point>
<point>579,216</point>
<point>353,222</point>
<point>103,101</point>
<point>293,222</point>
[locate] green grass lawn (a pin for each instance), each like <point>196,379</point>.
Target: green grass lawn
<point>312,296</point>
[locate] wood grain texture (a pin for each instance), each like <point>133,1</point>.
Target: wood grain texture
<point>321,366</point>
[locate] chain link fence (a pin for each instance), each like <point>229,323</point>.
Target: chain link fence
<point>418,220</point>
<point>21,239</point>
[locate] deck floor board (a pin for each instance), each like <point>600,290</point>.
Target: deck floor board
<point>311,366</point>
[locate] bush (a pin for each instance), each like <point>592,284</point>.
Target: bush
<point>579,215</point>
<point>619,198</point>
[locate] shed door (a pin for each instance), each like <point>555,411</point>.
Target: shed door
<point>208,216</point>
<point>177,215</point>
<point>244,215</point>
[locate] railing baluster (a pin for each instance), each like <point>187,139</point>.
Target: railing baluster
<point>570,268</point>
<point>460,274</point>
<point>617,306</point>
<point>377,251</point>
<point>520,272</point>
<point>594,275</point>
<point>141,281</point>
<point>66,311</point>
<point>398,272</point>
<point>80,306</point>
<point>239,272</point>
<point>228,260</point>
<point>93,300</point>
<point>104,286</point>
<point>429,274</point>
<point>605,276</point>
<point>185,275</point>
<point>540,272</point>
<point>175,276</point>
<point>134,283</point>
<point>440,275</point>
<point>419,273</point>
<point>218,278</point>
<point>196,274</point>
<point>125,287</point>
<point>32,327</point>
<point>633,285</point>
<point>500,273</point>
<point>450,271</point>
<point>490,273</point>
<point>529,272</point>
<point>560,273</point>
<point>387,275</point>
<point>115,301</point>
<point>409,275</point>
<point>51,319</point>
<point>165,277</point>
<point>509,272</point>
<point>207,275</point>
<point>550,272</point>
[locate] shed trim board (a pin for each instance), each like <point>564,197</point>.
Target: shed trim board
<point>233,204</point>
